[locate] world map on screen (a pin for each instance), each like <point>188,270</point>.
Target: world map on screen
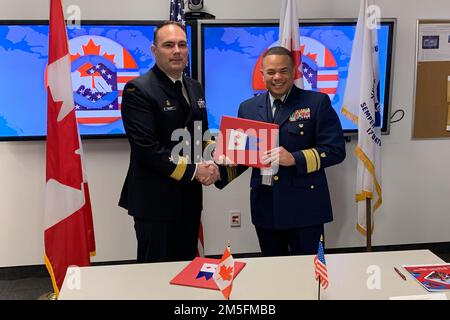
<point>232,57</point>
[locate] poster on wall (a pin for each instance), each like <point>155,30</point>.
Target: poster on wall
<point>434,42</point>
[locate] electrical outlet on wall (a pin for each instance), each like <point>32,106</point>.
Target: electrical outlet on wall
<point>235,218</point>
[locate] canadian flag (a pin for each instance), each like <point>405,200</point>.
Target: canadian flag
<point>224,273</point>
<point>69,233</point>
<point>290,37</point>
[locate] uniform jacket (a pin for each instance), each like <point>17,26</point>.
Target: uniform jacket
<point>310,129</point>
<point>158,186</point>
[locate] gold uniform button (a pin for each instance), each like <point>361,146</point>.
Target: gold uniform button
<point>312,186</point>
<point>302,133</point>
<point>275,178</point>
<point>300,125</point>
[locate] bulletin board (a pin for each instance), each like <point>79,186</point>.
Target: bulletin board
<point>432,81</point>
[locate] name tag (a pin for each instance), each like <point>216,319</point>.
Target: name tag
<point>168,106</point>
<point>171,108</point>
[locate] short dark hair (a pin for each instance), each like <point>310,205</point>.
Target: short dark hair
<point>162,25</point>
<point>279,51</point>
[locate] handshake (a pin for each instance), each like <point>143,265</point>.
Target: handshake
<point>208,171</point>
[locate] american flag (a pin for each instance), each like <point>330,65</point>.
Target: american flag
<point>320,266</point>
<point>177,14</point>
<point>177,11</point>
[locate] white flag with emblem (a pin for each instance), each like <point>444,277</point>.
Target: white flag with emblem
<point>361,105</point>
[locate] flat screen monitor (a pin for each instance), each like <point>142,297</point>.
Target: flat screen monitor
<point>104,54</point>
<point>231,61</point>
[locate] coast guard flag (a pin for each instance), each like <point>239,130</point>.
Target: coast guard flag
<point>361,105</point>
<point>290,38</point>
<point>224,273</point>
<point>69,233</point>
<point>320,266</point>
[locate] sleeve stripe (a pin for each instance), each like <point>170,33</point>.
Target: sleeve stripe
<point>228,174</point>
<point>234,172</point>
<point>180,169</point>
<point>316,154</point>
<point>311,160</point>
<point>231,173</point>
<point>207,143</point>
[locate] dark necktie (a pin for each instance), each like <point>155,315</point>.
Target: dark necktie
<point>277,104</point>
<point>179,89</point>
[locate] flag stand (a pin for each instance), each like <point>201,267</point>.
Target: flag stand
<point>368,225</point>
<point>48,296</point>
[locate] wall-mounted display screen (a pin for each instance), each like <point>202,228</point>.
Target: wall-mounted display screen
<point>231,62</point>
<point>104,54</point>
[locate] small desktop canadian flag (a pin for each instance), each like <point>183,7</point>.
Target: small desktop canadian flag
<point>223,276</point>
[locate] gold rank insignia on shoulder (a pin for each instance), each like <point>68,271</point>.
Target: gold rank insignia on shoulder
<point>201,103</point>
<point>300,114</point>
<point>131,89</point>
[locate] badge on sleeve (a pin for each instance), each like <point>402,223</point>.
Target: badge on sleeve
<point>300,114</point>
<point>201,103</point>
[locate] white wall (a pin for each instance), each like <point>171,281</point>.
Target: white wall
<point>416,174</point>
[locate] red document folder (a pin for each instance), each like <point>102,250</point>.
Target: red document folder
<point>193,276</point>
<point>244,141</point>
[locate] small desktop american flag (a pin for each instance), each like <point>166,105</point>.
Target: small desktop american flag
<point>320,265</point>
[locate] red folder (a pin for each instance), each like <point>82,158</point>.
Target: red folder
<point>244,141</point>
<point>193,276</point>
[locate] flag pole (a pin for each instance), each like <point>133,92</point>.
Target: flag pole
<point>318,289</point>
<point>368,225</point>
<point>229,249</point>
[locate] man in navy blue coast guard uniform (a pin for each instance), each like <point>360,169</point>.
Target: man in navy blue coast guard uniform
<point>289,214</point>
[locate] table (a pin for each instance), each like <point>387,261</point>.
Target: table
<point>267,278</point>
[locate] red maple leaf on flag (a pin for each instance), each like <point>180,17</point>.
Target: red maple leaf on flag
<point>226,273</point>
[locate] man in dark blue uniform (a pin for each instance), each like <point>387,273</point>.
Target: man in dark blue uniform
<point>162,190</point>
<point>289,212</point>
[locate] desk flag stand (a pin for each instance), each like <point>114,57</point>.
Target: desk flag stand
<point>48,296</point>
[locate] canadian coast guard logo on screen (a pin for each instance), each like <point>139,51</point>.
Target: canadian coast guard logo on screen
<point>320,70</point>
<point>100,69</point>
